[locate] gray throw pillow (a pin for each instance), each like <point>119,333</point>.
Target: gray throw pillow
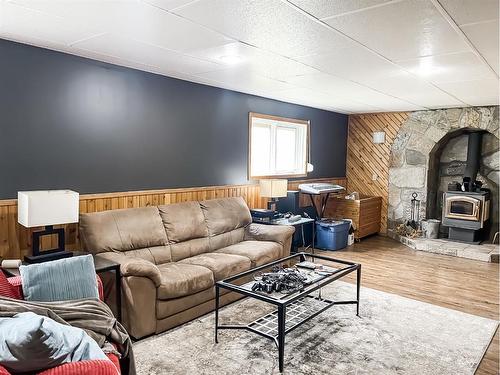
<point>30,342</point>
<point>60,280</point>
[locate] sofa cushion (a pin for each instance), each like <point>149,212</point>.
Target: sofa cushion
<point>226,239</point>
<point>186,229</point>
<point>183,221</point>
<point>222,265</point>
<point>189,248</point>
<point>122,230</point>
<point>179,280</point>
<point>165,308</point>
<point>224,215</point>
<point>259,252</point>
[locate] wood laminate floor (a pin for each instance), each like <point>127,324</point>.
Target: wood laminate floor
<point>456,283</point>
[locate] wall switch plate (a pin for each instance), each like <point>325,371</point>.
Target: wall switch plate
<point>374,177</point>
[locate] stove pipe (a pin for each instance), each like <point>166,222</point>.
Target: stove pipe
<point>473,155</point>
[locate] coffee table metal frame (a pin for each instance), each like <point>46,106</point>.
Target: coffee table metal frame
<point>302,306</point>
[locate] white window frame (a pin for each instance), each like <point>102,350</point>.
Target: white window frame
<point>274,123</point>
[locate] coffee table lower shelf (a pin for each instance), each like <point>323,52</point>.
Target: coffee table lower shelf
<point>297,313</point>
<point>275,325</point>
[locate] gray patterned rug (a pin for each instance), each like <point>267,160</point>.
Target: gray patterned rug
<point>394,335</point>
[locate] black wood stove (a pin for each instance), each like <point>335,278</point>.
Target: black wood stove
<point>466,205</point>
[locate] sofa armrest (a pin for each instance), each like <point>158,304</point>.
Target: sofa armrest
<point>133,266</point>
<point>263,232</point>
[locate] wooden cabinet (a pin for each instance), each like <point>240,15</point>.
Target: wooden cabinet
<point>365,213</point>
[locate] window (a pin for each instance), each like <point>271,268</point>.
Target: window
<point>278,146</point>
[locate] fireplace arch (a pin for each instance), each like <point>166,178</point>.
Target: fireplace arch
<point>414,150</point>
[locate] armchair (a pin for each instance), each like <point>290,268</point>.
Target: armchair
<point>96,367</point>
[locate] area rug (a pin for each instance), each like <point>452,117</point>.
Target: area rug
<point>393,335</point>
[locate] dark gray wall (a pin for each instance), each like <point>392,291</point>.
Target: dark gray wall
<point>70,122</point>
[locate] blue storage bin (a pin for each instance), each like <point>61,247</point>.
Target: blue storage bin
<point>332,234</point>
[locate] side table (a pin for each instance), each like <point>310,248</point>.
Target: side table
<point>297,224</point>
<point>101,266</point>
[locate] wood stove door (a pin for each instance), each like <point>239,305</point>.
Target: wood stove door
<point>464,208</point>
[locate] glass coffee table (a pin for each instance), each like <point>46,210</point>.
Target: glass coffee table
<point>293,307</point>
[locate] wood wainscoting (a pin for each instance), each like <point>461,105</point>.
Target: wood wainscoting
<point>15,240</point>
<point>368,163</point>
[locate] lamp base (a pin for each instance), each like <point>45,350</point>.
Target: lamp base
<point>46,256</point>
<point>271,204</point>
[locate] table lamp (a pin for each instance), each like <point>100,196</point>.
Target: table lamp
<point>274,189</point>
<point>47,208</point>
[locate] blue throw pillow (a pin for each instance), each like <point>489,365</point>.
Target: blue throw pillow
<point>60,280</point>
<point>30,342</point>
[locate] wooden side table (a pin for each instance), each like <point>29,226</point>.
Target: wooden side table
<point>101,266</point>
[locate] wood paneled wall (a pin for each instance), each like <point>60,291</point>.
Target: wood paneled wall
<point>15,240</point>
<point>368,163</point>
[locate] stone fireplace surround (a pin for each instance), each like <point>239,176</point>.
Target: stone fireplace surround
<point>426,154</point>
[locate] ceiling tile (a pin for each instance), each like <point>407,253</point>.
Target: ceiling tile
<point>325,83</point>
<point>30,26</point>
<point>116,60</point>
<point>381,100</point>
<point>244,56</point>
<point>448,68</point>
<point>133,50</point>
<point>354,63</point>
<point>93,13</point>
<point>469,11</point>
<point>135,19</point>
<point>168,4</point>
<point>331,85</point>
<point>485,37</point>
<point>327,99</point>
<point>269,24</point>
<point>329,8</point>
<point>238,44</point>
<point>412,89</point>
<point>401,106</point>
<point>480,92</point>
<point>402,30</point>
<point>244,79</point>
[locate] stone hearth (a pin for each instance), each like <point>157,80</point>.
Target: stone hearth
<point>428,153</point>
<point>484,252</point>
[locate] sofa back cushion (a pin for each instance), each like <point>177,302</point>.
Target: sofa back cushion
<point>186,229</point>
<point>139,230</point>
<point>226,219</point>
<point>169,232</point>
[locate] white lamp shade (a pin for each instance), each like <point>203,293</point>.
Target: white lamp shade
<point>378,137</point>
<point>273,188</point>
<point>47,207</point>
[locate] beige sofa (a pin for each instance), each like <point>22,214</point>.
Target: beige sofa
<point>172,255</point>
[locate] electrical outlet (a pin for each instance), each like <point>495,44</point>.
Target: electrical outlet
<point>374,177</point>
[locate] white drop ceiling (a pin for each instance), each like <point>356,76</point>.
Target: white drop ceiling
<point>349,56</point>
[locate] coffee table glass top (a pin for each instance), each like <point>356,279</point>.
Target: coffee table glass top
<point>317,270</point>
